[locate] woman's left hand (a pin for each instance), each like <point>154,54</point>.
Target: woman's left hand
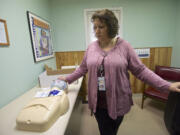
<point>175,87</point>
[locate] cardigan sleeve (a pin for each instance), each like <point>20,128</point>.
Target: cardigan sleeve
<point>142,72</point>
<point>80,71</point>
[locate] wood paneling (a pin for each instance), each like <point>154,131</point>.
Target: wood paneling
<point>68,58</point>
<point>158,56</point>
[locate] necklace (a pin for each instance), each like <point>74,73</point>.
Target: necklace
<point>110,44</point>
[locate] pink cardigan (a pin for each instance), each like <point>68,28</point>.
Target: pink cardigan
<point>117,62</point>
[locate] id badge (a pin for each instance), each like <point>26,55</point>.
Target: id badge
<point>101,83</point>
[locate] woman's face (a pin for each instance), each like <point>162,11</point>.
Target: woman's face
<point>100,30</point>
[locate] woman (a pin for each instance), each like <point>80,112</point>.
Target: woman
<point>107,62</point>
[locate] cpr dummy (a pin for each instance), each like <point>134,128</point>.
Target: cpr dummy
<point>42,111</point>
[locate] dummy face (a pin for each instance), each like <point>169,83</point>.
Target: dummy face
<point>100,30</point>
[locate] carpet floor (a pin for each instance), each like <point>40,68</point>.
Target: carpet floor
<point>146,121</point>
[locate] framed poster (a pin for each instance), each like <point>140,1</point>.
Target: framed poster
<point>4,38</point>
<point>40,33</point>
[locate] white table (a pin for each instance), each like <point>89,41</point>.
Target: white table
<point>9,113</point>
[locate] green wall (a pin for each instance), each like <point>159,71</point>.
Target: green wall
<point>176,48</point>
<point>146,23</point>
<point>18,72</point>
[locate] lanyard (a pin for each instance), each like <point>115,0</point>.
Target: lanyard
<point>101,78</point>
<point>101,68</point>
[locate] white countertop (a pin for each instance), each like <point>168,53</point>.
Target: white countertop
<point>9,113</point>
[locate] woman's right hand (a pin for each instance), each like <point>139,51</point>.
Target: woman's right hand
<point>63,78</point>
